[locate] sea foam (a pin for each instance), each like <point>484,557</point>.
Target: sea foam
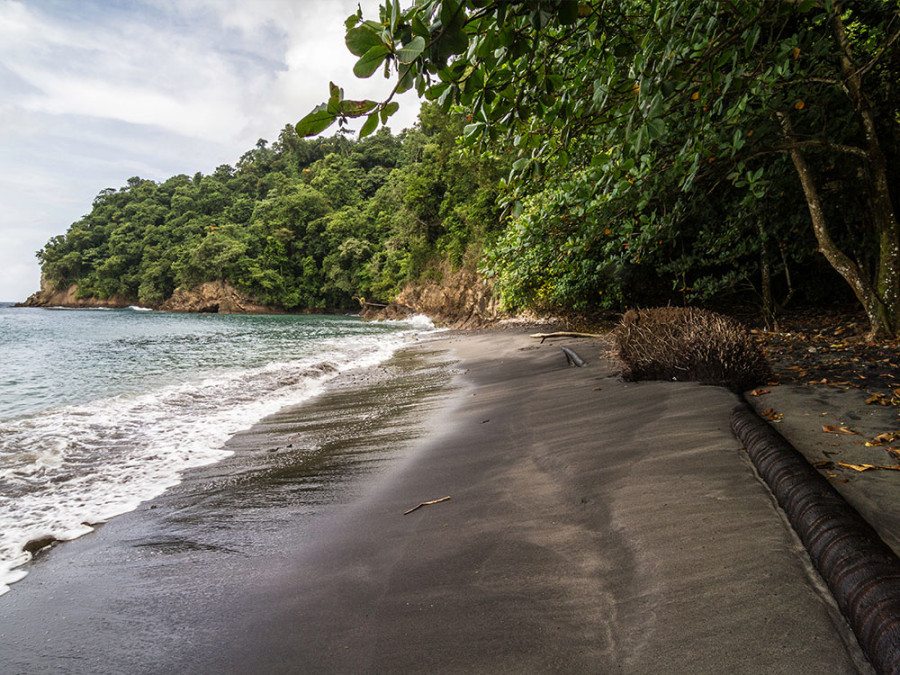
<point>63,471</point>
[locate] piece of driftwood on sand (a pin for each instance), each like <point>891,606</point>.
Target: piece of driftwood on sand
<point>566,334</point>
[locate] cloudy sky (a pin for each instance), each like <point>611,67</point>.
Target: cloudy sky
<point>93,92</point>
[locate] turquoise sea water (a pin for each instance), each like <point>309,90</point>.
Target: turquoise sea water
<point>103,409</point>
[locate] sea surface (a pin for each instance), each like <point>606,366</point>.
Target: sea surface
<point>101,410</point>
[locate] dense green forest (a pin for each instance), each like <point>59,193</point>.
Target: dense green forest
<point>678,145</point>
<point>300,225</point>
<point>581,155</point>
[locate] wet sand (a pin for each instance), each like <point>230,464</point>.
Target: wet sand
<point>594,526</point>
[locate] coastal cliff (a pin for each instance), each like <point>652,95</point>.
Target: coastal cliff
<point>455,298</point>
<point>215,297</point>
<point>49,296</point>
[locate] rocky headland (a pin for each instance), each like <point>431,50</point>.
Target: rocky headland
<point>455,298</point>
<point>214,297</point>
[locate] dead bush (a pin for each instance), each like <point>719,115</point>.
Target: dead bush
<point>686,344</point>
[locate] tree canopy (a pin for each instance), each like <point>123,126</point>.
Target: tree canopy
<point>699,142</point>
<point>300,225</point>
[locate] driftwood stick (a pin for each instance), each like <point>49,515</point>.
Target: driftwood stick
<point>433,501</point>
<point>544,336</point>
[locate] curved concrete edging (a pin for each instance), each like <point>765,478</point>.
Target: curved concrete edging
<point>862,572</point>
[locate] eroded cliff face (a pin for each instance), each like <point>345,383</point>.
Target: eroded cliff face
<point>213,296</point>
<point>460,299</point>
<point>216,297</point>
<point>49,296</point>
<point>457,298</point>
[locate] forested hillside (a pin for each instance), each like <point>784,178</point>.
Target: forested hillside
<point>662,148</point>
<point>298,224</point>
<point>580,155</point>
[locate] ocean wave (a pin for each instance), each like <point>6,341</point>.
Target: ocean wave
<point>64,471</point>
<point>417,322</point>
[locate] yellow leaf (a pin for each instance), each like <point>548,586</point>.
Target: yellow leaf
<point>796,53</point>
<point>799,105</point>
<point>866,467</point>
<point>695,95</point>
<point>856,467</point>
<point>828,429</point>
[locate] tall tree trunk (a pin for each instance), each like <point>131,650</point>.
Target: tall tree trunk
<point>765,270</point>
<point>879,319</point>
<point>887,277</point>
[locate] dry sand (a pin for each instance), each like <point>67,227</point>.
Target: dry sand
<point>594,526</point>
<point>804,412</point>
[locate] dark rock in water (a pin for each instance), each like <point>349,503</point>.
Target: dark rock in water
<point>35,545</point>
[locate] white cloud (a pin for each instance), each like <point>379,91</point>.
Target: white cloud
<point>92,93</point>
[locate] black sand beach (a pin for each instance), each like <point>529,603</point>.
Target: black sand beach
<point>593,526</point>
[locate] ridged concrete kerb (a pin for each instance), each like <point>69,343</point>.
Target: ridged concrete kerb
<point>862,571</point>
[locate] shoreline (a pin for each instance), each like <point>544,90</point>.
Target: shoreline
<point>593,526</point>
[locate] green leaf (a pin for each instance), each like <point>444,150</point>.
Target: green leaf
<point>370,125</point>
<point>407,81</point>
<point>361,39</point>
<point>448,11</point>
<point>353,19</point>
<point>656,106</point>
<point>419,28</point>
<point>446,99</point>
<point>568,12</point>
<point>395,16</point>
<point>356,108</point>
<point>335,93</point>
<point>435,91</point>
<point>315,122</point>
<point>472,131</point>
<point>656,128</point>
<point>370,61</point>
<point>389,110</point>
<point>411,51</point>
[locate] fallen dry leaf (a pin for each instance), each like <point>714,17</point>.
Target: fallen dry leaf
<point>879,399</point>
<point>760,392</point>
<point>828,429</point>
<point>824,464</point>
<point>887,437</point>
<point>866,467</point>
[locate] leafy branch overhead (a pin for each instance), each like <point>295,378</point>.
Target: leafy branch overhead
<point>623,117</point>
